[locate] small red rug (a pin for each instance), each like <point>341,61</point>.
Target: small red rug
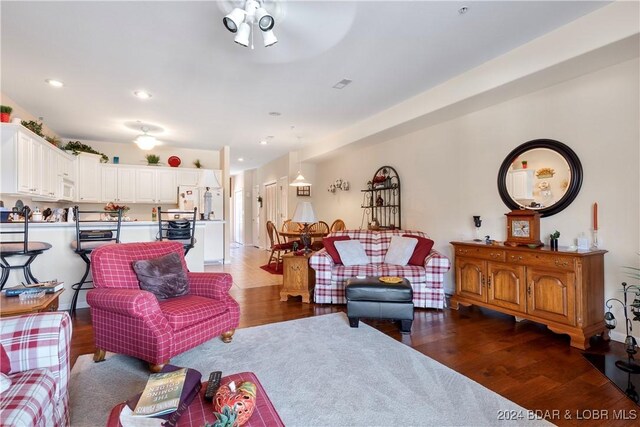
<point>271,268</point>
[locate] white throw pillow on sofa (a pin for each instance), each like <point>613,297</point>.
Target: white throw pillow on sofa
<point>352,252</point>
<point>400,250</point>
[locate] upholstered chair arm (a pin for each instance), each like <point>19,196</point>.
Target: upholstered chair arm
<point>322,263</point>
<point>130,302</point>
<point>436,265</point>
<point>210,285</point>
<point>39,340</point>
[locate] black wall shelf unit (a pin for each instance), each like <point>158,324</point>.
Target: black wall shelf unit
<point>381,200</point>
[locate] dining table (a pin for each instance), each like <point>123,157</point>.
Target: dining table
<point>295,234</point>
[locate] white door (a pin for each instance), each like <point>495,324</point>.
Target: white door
<point>109,184</point>
<point>126,184</point>
<point>167,188</point>
<point>146,186</point>
<point>238,216</point>
<point>255,209</point>
<point>283,196</point>
<point>270,207</point>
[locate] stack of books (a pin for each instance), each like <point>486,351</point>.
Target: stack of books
<point>34,288</point>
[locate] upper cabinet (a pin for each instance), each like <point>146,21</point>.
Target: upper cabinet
<point>156,185</point>
<point>29,164</point>
<point>89,174</point>
<point>118,184</point>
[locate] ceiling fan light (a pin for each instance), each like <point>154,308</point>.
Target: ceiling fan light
<point>146,142</point>
<point>265,21</point>
<point>233,20</point>
<point>242,37</point>
<point>269,38</point>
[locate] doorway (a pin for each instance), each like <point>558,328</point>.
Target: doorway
<point>270,203</point>
<point>238,217</point>
<point>283,196</point>
<point>256,208</point>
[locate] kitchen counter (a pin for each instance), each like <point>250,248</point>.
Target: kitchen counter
<point>62,263</point>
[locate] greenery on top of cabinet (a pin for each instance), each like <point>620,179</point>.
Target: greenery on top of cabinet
<point>78,147</point>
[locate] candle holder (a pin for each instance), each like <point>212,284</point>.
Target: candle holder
<point>594,244</point>
<point>477,222</point>
<point>610,322</point>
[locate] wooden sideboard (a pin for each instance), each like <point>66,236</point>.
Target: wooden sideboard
<point>561,289</point>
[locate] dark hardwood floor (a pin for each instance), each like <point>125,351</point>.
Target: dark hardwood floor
<point>524,362</point>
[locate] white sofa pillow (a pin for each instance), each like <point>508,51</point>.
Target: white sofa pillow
<point>400,250</point>
<point>351,252</point>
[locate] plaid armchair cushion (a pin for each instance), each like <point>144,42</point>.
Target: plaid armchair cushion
<point>38,347</point>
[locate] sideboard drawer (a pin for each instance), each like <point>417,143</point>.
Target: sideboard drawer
<point>482,253</point>
<point>541,260</point>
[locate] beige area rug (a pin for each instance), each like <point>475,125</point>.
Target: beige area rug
<point>318,372</point>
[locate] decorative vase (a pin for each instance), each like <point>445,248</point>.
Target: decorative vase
<point>241,399</point>
<point>5,117</point>
<point>553,243</point>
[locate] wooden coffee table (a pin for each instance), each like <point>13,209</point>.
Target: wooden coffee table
<point>12,306</point>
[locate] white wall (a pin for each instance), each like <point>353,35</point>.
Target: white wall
<point>21,113</point>
<point>449,171</point>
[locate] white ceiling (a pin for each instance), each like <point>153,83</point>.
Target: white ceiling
<point>209,92</point>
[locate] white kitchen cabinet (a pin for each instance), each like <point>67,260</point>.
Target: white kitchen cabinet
<point>155,185</point>
<point>48,173</point>
<point>118,184</point>
<point>146,185</point>
<point>89,177</point>
<point>520,184</point>
<point>167,186</point>
<point>188,177</point>
<point>29,165</point>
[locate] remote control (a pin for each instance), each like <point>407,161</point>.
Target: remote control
<point>213,385</point>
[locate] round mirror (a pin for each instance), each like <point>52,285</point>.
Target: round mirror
<point>543,175</point>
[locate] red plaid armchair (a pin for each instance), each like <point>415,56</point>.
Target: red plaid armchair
<point>134,322</point>
<point>37,346</point>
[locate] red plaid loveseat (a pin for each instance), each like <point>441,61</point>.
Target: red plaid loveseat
<point>134,322</point>
<point>426,281</point>
<point>38,349</point>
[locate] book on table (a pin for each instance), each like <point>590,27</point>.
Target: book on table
<point>47,287</point>
<point>190,388</point>
<point>162,393</point>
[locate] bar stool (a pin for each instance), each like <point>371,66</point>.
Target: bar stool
<point>92,233</point>
<point>178,225</point>
<point>22,248</point>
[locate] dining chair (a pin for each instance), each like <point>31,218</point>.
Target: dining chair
<point>91,233</point>
<point>24,249</point>
<point>278,247</point>
<point>337,225</point>
<point>318,227</point>
<point>291,226</point>
<point>178,226</point>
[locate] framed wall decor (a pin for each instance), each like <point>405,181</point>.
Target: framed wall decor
<point>304,191</point>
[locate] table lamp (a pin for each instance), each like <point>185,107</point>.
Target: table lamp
<point>305,215</point>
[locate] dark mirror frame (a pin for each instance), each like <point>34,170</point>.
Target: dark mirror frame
<point>570,157</point>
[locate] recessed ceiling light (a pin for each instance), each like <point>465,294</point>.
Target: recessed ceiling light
<point>463,10</point>
<point>275,113</point>
<point>54,83</point>
<point>263,142</point>
<point>240,159</point>
<point>342,83</point>
<point>142,94</point>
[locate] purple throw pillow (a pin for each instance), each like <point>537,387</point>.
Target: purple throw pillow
<point>163,277</point>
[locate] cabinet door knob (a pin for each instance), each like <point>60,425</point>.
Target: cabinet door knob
<point>529,290</point>
<point>560,263</point>
<point>482,279</point>
<point>516,258</point>
<point>489,282</point>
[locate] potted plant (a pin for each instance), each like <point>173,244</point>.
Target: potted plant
<point>553,239</point>
<point>78,147</point>
<point>53,140</point>
<point>197,163</point>
<point>5,113</point>
<point>33,126</point>
<point>524,164</point>
<point>152,159</point>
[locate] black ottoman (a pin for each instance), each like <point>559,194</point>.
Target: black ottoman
<point>371,298</point>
